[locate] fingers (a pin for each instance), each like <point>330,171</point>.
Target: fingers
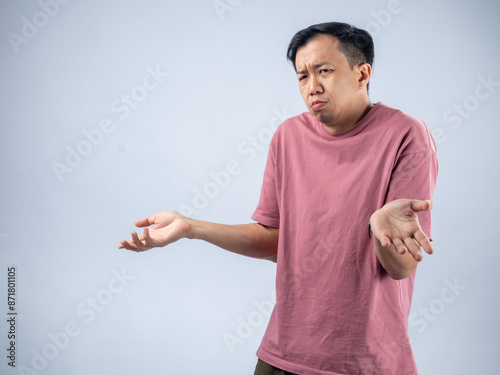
<point>414,248</point>
<point>402,246</point>
<point>137,243</point>
<point>413,245</point>
<point>127,245</point>
<point>385,241</point>
<point>399,246</point>
<point>418,206</point>
<point>424,241</point>
<point>145,222</point>
<point>147,237</point>
<point>409,244</point>
<point>141,246</point>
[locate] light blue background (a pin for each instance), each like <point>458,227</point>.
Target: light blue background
<point>228,80</point>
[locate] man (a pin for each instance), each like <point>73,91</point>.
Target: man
<point>343,296</point>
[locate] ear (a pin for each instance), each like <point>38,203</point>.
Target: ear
<point>364,74</point>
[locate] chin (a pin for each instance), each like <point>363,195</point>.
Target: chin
<point>325,118</point>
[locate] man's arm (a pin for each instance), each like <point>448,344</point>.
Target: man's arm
<point>398,236</point>
<point>252,240</point>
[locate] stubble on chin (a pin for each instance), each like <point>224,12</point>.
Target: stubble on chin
<point>325,118</point>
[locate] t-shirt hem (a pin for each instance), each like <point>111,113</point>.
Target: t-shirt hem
<point>283,364</point>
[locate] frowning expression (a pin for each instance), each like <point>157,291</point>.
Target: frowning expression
<point>330,87</point>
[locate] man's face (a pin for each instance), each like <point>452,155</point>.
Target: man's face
<point>330,88</point>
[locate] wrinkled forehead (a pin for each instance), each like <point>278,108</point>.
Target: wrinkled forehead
<point>319,50</point>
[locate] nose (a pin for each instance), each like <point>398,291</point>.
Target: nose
<point>315,86</point>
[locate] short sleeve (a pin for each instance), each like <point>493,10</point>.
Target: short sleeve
<point>267,211</point>
<point>414,176</point>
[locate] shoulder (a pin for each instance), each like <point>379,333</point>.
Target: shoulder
<point>294,127</point>
<point>398,120</point>
<point>411,132</point>
<point>296,123</point>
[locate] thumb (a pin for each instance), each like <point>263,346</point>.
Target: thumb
<point>418,206</point>
<point>146,222</point>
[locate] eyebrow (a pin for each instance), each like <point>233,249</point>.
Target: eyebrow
<point>315,66</point>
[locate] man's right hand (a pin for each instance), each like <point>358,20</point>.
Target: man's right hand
<point>167,227</point>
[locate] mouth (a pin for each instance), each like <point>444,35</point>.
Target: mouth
<point>317,105</point>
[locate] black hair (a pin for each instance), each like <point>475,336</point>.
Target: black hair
<point>356,44</point>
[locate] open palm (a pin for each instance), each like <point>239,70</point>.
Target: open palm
<point>167,227</point>
<point>397,223</point>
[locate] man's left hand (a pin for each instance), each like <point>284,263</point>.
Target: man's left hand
<point>397,223</point>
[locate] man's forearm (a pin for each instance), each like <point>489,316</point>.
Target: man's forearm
<point>252,240</point>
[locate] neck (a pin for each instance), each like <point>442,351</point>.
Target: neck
<point>348,120</point>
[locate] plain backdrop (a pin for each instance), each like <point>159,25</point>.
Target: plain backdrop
<point>112,111</point>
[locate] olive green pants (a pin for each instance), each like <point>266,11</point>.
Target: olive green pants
<point>263,368</point>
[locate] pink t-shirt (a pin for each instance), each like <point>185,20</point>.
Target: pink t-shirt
<point>337,310</point>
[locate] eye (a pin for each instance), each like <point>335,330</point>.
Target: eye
<point>301,78</point>
<point>325,70</point>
